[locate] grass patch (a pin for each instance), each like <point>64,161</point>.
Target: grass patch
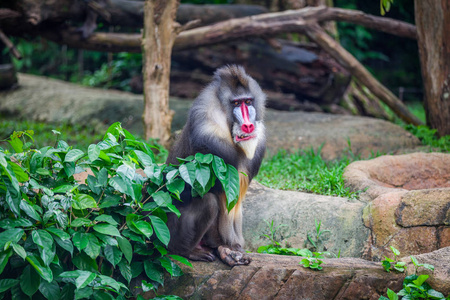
<point>78,136</point>
<point>306,171</point>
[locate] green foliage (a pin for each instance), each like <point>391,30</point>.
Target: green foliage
<point>313,260</point>
<point>385,6</point>
<point>393,264</point>
<point>62,239</point>
<point>306,171</point>
<point>414,286</point>
<point>316,240</point>
<point>429,137</point>
<point>117,73</point>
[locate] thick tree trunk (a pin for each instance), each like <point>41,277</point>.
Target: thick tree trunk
<point>160,31</point>
<point>433,29</point>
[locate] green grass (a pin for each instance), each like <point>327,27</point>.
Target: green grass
<point>305,171</point>
<point>80,137</point>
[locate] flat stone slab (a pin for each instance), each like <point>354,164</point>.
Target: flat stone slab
<point>281,277</point>
<point>56,101</point>
<point>298,211</point>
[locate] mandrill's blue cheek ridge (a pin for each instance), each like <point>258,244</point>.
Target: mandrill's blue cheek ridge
<point>238,115</point>
<point>252,114</point>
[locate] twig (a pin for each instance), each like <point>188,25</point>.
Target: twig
<point>10,45</point>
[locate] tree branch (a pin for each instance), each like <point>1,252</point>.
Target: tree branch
<point>265,25</point>
<point>319,36</point>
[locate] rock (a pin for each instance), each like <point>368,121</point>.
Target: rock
<point>424,208</point>
<point>299,211</point>
<point>281,277</point>
<point>388,173</point>
<point>56,101</point>
<point>409,202</point>
<point>440,277</point>
<point>337,133</point>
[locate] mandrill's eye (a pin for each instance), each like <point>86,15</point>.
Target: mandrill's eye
<point>248,101</point>
<point>236,103</point>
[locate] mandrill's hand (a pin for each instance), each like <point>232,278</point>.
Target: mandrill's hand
<point>233,257</point>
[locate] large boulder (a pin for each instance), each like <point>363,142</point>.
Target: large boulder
<point>298,212</point>
<point>409,202</point>
<point>56,101</point>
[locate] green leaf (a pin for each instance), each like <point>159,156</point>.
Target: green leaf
<point>176,186</point>
<point>93,152</point>
<point>144,227</point>
<point>181,259</point>
<point>84,279</point>
<point>6,284</point>
<point>19,172</point>
<point>106,239</point>
<point>125,270</point>
<point>80,222</point>
<point>73,155</point>
<point>202,175</point>
<point>30,211</point>
<point>170,266</point>
<point>112,254</point>
<point>126,172</point>
<point>391,294</point>
<point>414,260</point>
<point>421,279</point>
<point>118,184</point>
<point>428,266</point>
<point>50,290</point>
<point>102,177</point>
<point>4,257</point>
<point>219,167</point>
<point>107,229</point>
<point>83,201</point>
<point>144,158</point>
<point>30,281</point>
<point>161,229</point>
<point>59,233</point>
<point>187,172</point>
<point>83,262</point>
<point>43,172</point>
<point>107,219</point>
<point>162,198</point>
<point>66,245</point>
<point>19,250</point>
<point>80,240</point>
<point>62,189</point>
<point>395,251</point>
<point>10,235</point>
<point>44,271</point>
<point>154,271</point>
<point>154,173</point>
<point>42,238</point>
<point>204,158</point>
<point>108,281</point>
<point>231,186</point>
<point>126,248</point>
<point>93,247</point>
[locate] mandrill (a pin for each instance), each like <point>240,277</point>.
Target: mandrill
<point>226,120</point>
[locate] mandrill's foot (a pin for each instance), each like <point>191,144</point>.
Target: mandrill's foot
<point>202,253</point>
<point>233,257</point>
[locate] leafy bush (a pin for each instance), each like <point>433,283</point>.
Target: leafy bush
<point>61,239</point>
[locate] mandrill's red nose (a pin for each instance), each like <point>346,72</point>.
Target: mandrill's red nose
<point>248,127</point>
